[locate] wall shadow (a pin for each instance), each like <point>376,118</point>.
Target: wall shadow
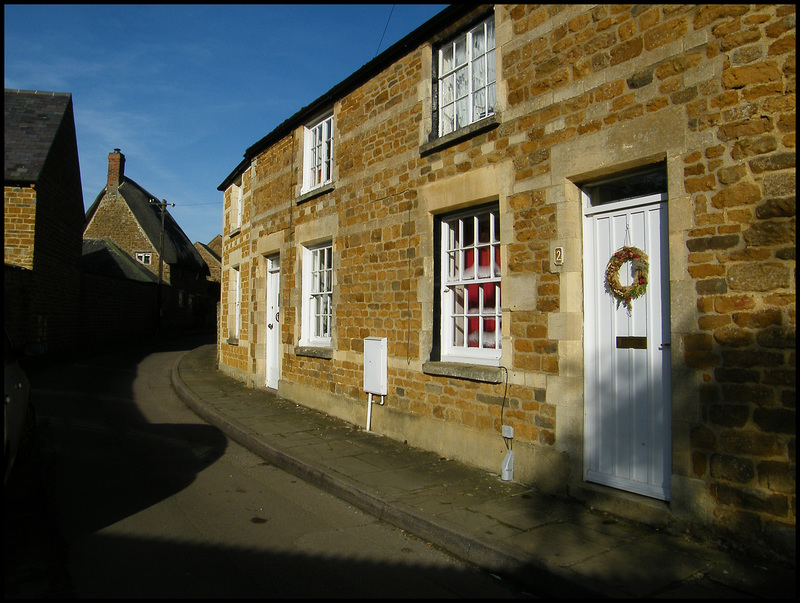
<point>95,459</point>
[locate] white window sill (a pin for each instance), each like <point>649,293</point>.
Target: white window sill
<point>315,192</point>
<point>460,370</point>
<point>442,142</point>
<point>313,352</point>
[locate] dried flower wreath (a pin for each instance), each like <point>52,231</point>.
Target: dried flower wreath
<point>637,288</point>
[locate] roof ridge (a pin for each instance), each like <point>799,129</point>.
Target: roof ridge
<point>41,92</point>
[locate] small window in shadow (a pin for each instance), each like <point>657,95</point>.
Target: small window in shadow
<point>628,185</point>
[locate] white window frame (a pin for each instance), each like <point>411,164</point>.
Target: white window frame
<point>144,257</point>
<point>467,73</point>
<point>318,154</point>
<point>237,205</point>
<point>317,307</point>
<point>471,312</point>
<point>236,300</point>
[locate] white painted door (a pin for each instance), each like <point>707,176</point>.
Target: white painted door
<point>627,422</point>
<point>273,343</point>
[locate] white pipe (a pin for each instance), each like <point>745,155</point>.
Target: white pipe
<point>369,410</point>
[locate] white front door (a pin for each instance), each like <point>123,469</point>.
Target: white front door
<point>273,343</point>
<point>627,422</point>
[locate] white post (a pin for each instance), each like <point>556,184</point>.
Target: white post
<point>369,411</point>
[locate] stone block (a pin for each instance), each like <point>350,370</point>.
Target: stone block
<point>750,500</point>
<point>757,73</point>
<point>732,468</point>
<point>778,476</point>
<point>758,277</point>
<point>771,163</point>
<point>748,393</point>
<point>729,415</point>
<point>776,420</point>
<point>751,443</point>
<point>703,437</point>
<point>742,193</point>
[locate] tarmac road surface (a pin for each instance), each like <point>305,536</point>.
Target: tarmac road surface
<point>133,495</point>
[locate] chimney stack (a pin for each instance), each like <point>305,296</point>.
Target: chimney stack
<point>116,170</point>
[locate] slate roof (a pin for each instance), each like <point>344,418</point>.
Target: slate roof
<point>102,256</point>
<point>178,250</point>
<point>32,119</point>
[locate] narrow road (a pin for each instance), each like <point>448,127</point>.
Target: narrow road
<point>147,500</point>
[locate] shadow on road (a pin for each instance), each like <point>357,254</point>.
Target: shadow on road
<point>96,459</point>
<point>175,569</point>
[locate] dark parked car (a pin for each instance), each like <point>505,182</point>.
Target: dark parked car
<point>18,416</point>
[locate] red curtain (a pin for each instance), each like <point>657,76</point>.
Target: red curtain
<point>476,337</point>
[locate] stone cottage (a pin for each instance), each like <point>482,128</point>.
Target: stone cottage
<point>573,229</point>
<point>43,220</point>
<point>137,221</point>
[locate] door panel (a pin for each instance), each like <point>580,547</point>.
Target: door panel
<point>627,397</point>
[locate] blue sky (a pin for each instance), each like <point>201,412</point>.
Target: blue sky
<point>184,90</point>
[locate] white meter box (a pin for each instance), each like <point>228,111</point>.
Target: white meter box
<point>375,361</point>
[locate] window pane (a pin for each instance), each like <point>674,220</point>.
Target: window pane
<point>492,298</point>
<point>448,121</point>
<point>458,331</point>
<point>478,74</point>
<point>490,91</point>
<point>447,58</point>
<point>454,235</point>
<point>453,265</point>
<point>490,67</point>
<point>484,228</point>
<point>462,113</point>
<point>469,265</point>
<point>478,45</point>
<point>648,181</point>
<point>479,105</point>
<point>490,34</point>
<point>462,82</point>
<point>448,91</point>
<point>473,333</point>
<point>461,51</point>
<point>458,301</point>
<point>468,226</point>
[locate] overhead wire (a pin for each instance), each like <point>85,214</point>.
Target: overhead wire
<point>384,30</point>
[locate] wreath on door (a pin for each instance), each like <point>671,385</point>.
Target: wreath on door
<point>639,261</point>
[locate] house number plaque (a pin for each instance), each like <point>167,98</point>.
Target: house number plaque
<point>558,256</point>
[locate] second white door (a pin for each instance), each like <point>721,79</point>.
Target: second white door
<point>273,343</point>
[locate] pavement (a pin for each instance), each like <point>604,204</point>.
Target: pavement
<point>548,546</point>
